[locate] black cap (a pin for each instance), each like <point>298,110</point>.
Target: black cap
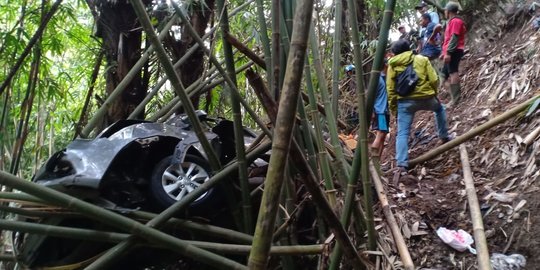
<point>452,7</point>
<point>420,6</point>
<point>400,46</point>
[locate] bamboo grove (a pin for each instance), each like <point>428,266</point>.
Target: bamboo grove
<point>275,72</point>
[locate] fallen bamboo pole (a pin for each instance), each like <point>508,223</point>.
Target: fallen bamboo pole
<point>396,233</point>
<point>531,137</point>
<point>473,132</point>
<point>120,222</point>
<point>476,215</point>
<point>181,224</point>
<point>115,237</point>
<point>4,257</point>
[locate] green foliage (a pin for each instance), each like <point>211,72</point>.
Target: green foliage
<point>67,57</point>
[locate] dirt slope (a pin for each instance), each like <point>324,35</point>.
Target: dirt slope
<point>500,70</point>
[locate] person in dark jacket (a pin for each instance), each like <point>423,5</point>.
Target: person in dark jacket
<point>423,97</point>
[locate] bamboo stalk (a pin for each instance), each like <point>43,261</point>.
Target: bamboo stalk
<point>312,185</point>
<point>323,157</point>
<point>252,113</point>
<point>265,42</point>
<point>35,213</point>
<point>118,221</point>
<point>193,90</point>
<point>117,92</point>
<point>476,216</point>
<point>531,137</point>
<point>174,78</point>
<point>114,237</point>
<point>336,54</point>
<point>26,109</point>
<point>237,121</point>
<point>35,38</point>
<point>360,161</point>
<point>325,210</point>
<point>161,82</point>
<point>8,258</point>
<point>285,120</point>
<point>90,93</point>
<point>276,16</point>
<point>260,62</point>
<point>392,223</point>
<point>378,62</point>
<point>185,225</point>
<point>20,197</point>
<point>189,52</point>
<point>200,228</point>
<point>474,132</point>
<point>307,132</point>
<point>330,116</point>
<point>244,49</point>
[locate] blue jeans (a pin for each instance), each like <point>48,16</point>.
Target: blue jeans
<point>406,108</point>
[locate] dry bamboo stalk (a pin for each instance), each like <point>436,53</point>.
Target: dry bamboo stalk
<point>474,132</point>
<point>531,137</point>
<point>396,233</point>
<point>476,215</point>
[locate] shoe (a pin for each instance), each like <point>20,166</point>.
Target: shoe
<point>447,139</point>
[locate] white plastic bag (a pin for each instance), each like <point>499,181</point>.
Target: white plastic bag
<point>460,240</point>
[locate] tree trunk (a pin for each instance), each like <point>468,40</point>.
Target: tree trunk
<point>193,68</point>
<point>117,26</point>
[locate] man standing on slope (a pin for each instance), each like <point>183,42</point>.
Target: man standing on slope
<point>430,45</point>
<point>452,51</point>
<point>422,98</point>
<point>423,8</point>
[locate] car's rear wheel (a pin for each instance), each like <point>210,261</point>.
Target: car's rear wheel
<point>171,182</point>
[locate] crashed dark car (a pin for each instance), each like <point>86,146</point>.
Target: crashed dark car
<point>132,165</point>
<point>137,163</point>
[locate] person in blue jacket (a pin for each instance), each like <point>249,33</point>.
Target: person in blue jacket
<point>381,115</point>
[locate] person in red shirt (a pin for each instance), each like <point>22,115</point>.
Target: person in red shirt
<point>452,51</point>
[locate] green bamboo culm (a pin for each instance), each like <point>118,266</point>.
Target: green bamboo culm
<point>119,89</point>
<point>336,54</point>
<point>234,91</point>
<point>237,118</point>
<point>330,117</point>
<point>360,161</point>
<point>276,17</point>
<point>176,83</point>
<point>114,237</point>
<point>261,17</point>
<point>196,88</point>
<point>378,61</point>
<point>138,110</point>
<point>118,221</point>
<point>322,154</point>
<point>285,121</point>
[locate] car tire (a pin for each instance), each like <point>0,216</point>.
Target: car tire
<point>171,182</point>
